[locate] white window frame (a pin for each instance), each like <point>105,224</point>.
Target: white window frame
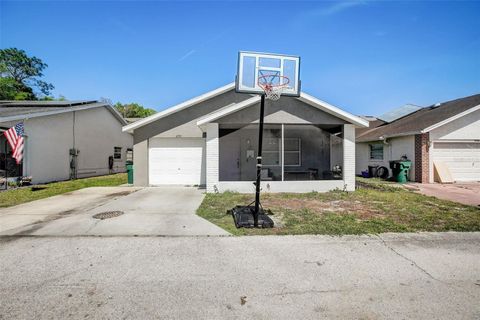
<point>299,151</point>
<point>117,152</point>
<point>279,151</point>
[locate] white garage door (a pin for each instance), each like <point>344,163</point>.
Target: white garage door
<point>462,158</point>
<point>176,161</point>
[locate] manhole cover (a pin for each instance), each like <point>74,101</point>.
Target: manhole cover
<point>107,214</point>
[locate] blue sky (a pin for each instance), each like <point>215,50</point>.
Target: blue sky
<point>366,57</point>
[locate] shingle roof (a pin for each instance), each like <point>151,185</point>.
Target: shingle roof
<point>16,110</point>
<point>373,123</point>
<point>419,120</point>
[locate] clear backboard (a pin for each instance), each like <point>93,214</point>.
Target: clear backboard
<point>257,70</point>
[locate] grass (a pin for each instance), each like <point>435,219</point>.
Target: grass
<point>375,207</point>
<point>17,196</point>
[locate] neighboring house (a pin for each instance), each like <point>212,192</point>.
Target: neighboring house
<point>446,134</point>
<point>65,139</point>
<point>211,140</point>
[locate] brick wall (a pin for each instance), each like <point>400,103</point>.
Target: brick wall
<point>422,158</point>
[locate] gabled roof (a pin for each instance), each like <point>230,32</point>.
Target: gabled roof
<point>20,110</point>
<point>423,120</point>
<point>234,107</point>
<point>186,104</point>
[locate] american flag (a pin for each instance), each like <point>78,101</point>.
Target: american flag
<point>15,139</point>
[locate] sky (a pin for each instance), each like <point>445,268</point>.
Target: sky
<point>366,57</point>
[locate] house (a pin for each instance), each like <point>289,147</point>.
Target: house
<point>211,140</point>
<point>445,135</point>
<point>65,139</point>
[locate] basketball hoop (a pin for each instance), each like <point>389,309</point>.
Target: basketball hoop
<point>273,85</point>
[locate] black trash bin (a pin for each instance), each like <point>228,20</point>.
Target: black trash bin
<point>372,171</point>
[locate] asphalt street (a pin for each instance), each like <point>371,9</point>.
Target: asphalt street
<point>409,276</point>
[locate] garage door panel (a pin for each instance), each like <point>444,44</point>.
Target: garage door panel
<point>176,161</point>
<point>462,159</point>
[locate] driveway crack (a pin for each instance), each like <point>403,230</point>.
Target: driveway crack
<point>409,260</point>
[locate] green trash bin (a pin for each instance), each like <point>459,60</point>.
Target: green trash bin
<point>130,172</point>
<point>400,169</point>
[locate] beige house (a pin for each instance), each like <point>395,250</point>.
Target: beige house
<point>445,135</point>
<point>65,139</point>
<point>211,141</point>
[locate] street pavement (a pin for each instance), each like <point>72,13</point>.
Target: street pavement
<point>390,276</point>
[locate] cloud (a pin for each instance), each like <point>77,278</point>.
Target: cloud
<point>333,8</point>
<point>188,54</point>
<point>203,44</point>
<point>338,7</point>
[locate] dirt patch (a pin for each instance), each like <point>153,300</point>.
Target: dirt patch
<point>362,210</point>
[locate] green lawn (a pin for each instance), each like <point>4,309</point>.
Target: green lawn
<point>17,196</point>
<point>375,207</point>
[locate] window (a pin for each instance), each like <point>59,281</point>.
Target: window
<point>117,153</point>
<point>292,152</point>
<point>271,152</point>
<point>376,151</point>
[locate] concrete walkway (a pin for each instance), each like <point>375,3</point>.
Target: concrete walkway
<point>403,276</point>
<point>149,211</point>
<point>466,193</point>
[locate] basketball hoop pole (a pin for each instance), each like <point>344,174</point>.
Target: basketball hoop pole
<point>259,161</point>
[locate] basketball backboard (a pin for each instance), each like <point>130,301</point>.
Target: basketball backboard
<point>255,67</point>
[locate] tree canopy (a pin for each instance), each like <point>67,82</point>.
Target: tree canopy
<point>20,76</point>
<point>133,110</point>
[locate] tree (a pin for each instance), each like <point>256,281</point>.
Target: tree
<point>23,73</point>
<point>133,110</point>
<point>12,90</point>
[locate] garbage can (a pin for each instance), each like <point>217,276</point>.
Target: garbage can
<point>372,171</point>
<point>130,172</point>
<point>400,169</point>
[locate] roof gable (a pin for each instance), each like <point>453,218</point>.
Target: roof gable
<point>229,108</point>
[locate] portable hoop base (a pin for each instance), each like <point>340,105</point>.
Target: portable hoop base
<point>243,216</point>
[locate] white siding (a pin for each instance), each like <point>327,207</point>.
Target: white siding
<point>349,157</point>
<point>47,147</point>
<point>465,128</point>
<point>393,150</point>
<point>49,139</point>
<point>212,156</point>
<point>97,132</point>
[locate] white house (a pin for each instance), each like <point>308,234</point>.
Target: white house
<point>211,140</point>
<point>65,139</point>
<point>445,134</point>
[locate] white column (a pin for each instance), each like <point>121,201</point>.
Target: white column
<point>349,157</point>
<point>212,157</point>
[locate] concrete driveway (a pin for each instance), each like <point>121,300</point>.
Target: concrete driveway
<point>466,193</point>
<point>147,212</point>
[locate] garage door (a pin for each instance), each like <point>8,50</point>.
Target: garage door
<point>176,161</point>
<point>462,158</point>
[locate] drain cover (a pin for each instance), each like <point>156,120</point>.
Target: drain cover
<point>107,214</point>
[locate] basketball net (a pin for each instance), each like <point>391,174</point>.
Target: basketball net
<point>273,91</point>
